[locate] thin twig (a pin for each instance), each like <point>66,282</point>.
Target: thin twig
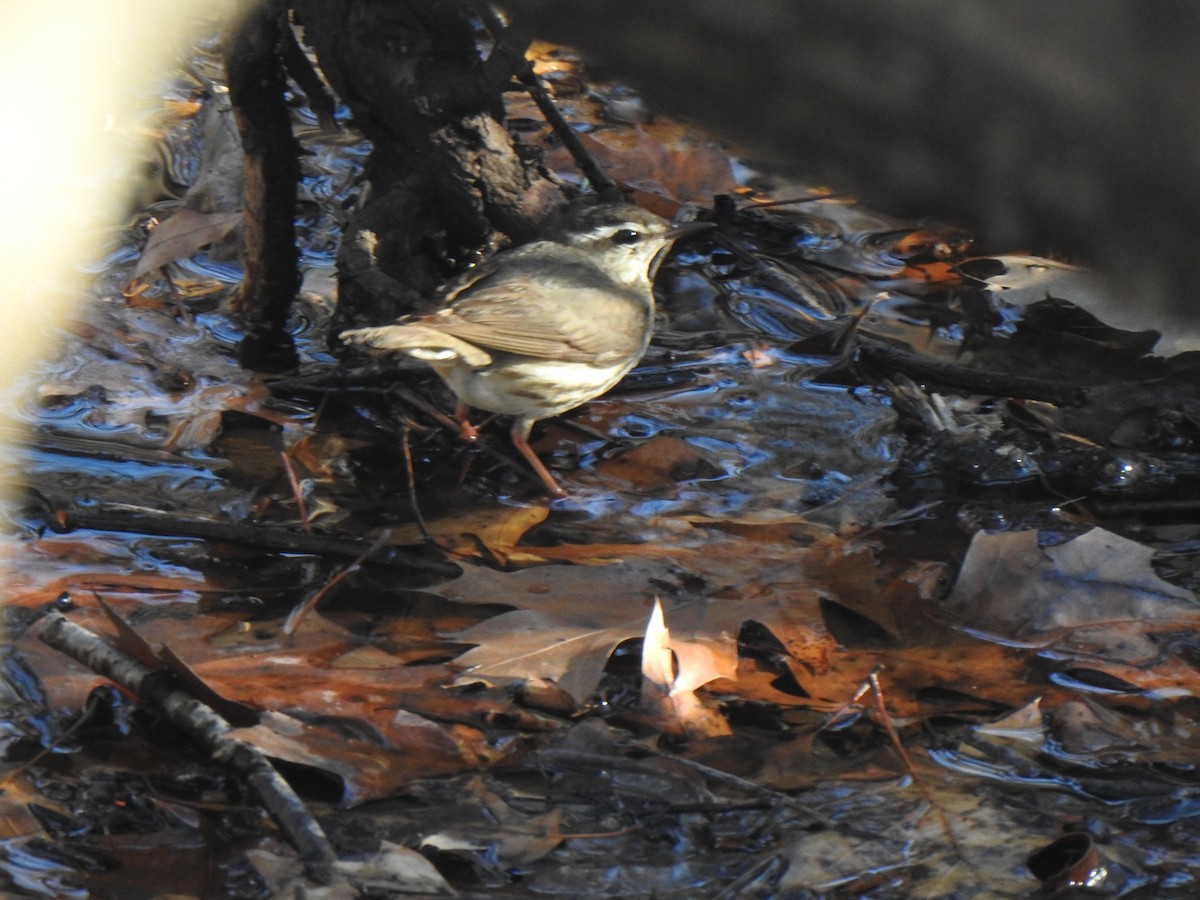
<point>411,478</point>
<point>563,755</point>
<point>206,727</point>
<point>765,871</point>
<point>1108,509</point>
<point>794,201</point>
<point>93,706</point>
<point>600,182</point>
<point>838,714</point>
<point>885,721</point>
<point>297,615</point>
<point>262,537</point>
<point>301,506</point>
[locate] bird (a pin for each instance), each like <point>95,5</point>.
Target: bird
<point>542,328</point>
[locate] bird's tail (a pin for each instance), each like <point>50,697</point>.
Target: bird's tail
<point>419,341</point>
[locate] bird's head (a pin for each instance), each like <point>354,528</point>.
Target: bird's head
<point>622,239</point>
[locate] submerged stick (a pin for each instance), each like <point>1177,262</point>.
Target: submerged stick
<point>977,381</point>
<point>209,729</point>
<point>259,537</point>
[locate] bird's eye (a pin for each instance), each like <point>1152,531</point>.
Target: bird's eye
<point>626,236</point>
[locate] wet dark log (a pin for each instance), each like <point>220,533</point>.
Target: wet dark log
<point>210,730</point>
<point>444,170</point>
<point>254,64</point>
<point>951,376</point>
<point>1064,127</point>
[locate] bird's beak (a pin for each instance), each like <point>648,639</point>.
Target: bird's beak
<point>673,233</point>
<point>683,229</point>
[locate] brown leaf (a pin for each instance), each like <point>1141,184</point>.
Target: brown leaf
<point>662,460</point>
<point>368,770</point>
<point>481,531</point>
<point>128,640</point>
<point>16,819</point>
<point>663,160</point>
<point>979,674</point>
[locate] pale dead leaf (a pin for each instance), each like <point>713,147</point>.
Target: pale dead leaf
<point>702,661</point>
<point>571,618</point>
<point>1024,280</point>
<point>182,235</point>
<point>1010,585</point>
<point>393,867</point>
<point>525,644</point>
<point>392,870</point>
<point>1026,724</point>
<point>821,861</point>
<point>673,697</point>
<point>366,658</point>
<point>658,666</point>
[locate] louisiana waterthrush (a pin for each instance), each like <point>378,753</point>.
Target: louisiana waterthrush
<point>542,328</point>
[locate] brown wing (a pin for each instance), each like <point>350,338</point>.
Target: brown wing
<point>549,304</point>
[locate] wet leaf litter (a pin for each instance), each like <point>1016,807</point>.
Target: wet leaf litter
<point>782,547</point>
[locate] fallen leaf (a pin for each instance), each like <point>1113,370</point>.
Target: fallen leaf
<point>670,695</point>
<point>392,868</point>
<point>506,836</point>
<point>482,531</point>
<point>662,460</point>
<point>1009,585</point>
<point>1027,724</point>
<point>972,675</point>
<point>367,769</point>
<point>659,160</point>
<point>16,818</point>
<point>1025,280</point>
<point>182,235</point>
<point>658,667</point>
<point>523,644</point>
<point>570,618</point>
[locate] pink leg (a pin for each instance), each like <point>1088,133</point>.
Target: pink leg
<point>520,439</point>
<point>466,430</point>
